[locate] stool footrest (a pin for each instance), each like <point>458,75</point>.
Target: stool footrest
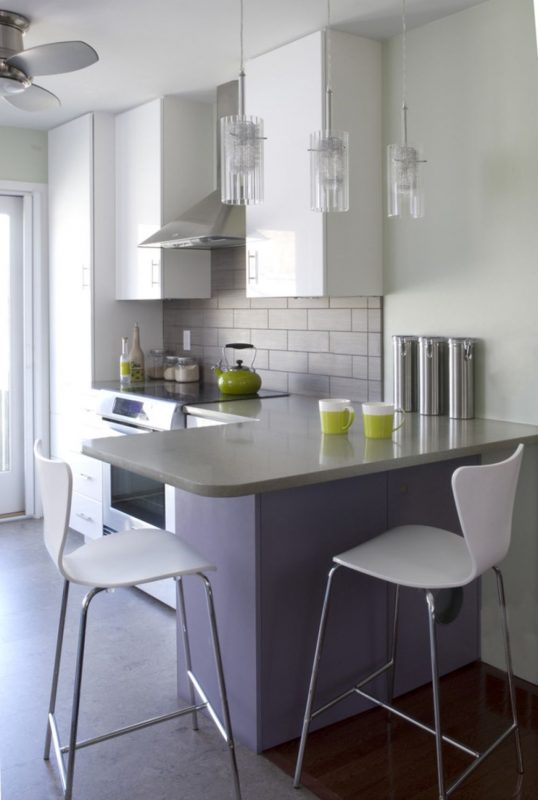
<point>353,689</point>
<point>466,772</point>
<point>416,722</point>
<point>135,727</point>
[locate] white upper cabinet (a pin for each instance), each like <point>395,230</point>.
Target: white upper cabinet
<point>164,165</point>
<point>291,250</point>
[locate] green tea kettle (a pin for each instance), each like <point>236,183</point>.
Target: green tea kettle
<point>237,379</point>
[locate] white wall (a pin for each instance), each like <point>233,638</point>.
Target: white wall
<point>23,155</point>
<point>470,267</point>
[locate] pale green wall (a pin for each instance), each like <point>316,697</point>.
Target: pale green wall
<point>470,267</point>
<point>23,155</point>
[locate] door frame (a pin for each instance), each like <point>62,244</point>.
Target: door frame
<point>35,329</point>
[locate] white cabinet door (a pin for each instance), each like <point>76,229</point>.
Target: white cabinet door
<point>291,250</point>
<point>284,238</point>
<point>163,166</point>
<point>70,215</point>
<point>138,201</point>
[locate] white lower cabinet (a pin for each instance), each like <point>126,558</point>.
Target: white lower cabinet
<point>86,516</point>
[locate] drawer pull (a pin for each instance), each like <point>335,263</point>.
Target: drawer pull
<point>85,517</point>
<point>85,477</point>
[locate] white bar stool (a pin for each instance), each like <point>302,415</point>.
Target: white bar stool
<point>115,561</point>
<point>429,558</point>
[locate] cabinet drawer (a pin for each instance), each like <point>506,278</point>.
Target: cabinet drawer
<point>86,516</point>
<point>87,476</point>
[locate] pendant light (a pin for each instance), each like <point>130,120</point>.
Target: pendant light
<point>241,141</point>
<point>404,176</point>
<point>329,151</point>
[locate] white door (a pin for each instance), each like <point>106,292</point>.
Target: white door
<point>11,357</point>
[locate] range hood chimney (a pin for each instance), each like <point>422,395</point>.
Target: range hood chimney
<point>210,223</point>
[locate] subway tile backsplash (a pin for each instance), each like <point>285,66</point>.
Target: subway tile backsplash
<point>317,346</point>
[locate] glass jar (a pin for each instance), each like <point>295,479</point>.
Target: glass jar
<point>187,370</point>
<point>170,368</point>
<point>155,367</point>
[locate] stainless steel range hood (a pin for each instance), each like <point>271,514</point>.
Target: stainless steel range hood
<point>209,224</point>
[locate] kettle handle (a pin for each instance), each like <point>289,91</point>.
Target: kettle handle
<point>240,346</point>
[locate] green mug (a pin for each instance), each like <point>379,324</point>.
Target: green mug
<point>336,416</point>
<point>378,419</point>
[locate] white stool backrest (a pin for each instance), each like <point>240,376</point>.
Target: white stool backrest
<point>56,483</point>
<point>484,496</point>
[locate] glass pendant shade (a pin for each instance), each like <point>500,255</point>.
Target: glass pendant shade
<point>405,188</point>
<point>241,142</point>
<point>329,170</point>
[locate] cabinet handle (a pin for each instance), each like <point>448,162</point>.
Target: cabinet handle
<point>85,271</point>
<point>85,477</point>
<point>155,281</point>
<point>85,517</point>
<point>252,267</point>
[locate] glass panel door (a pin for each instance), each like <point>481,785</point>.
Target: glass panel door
<point>11,357</point>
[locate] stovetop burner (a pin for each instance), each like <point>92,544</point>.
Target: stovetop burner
<point>182,393</point>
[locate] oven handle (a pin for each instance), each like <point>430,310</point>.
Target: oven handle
<point>125,430</point>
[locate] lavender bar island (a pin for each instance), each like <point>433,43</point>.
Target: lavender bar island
<point>270,500</point>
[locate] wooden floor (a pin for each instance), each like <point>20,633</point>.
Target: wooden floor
<point>367,758</point>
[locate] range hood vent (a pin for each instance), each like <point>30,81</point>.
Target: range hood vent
<point>209,224</point>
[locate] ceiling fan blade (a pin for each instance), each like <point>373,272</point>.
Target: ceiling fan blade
<point>35,98</point>
<point>52,59</point>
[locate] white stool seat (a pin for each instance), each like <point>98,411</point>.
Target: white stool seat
<point>413,555</point>
<point>132,557</point>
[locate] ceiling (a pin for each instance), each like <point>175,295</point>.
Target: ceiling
<point>184,46</point>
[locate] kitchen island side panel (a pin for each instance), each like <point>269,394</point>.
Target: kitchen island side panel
<point>301,530</point>
<point>224,530</point>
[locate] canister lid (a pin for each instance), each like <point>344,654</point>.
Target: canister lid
<point>404,338</point>
<point>454,341</point>
<point>432,339</point>
<point>185,361</point>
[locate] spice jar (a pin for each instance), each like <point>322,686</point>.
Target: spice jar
<point>170,368</point>
<point>186,370</point>
<point>155,369</point>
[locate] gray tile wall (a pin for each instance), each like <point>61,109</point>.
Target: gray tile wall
<point>328,346</point>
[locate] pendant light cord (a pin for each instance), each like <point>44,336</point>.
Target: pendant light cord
<point>404,75</point>
<point>241,28</point>
<point>328,87</point>
<point>242,64</point>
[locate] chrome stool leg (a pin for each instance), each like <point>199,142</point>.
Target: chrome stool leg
<point>509,670</point>
<point>182,621</point>
<point>76,693</point>
<point>222,686</point>
<point>436,705</point>
<point>56,669</point>
<point>394,643</point>
<point>313,679</point>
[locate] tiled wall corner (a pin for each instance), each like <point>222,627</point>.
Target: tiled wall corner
<point>317,346</point>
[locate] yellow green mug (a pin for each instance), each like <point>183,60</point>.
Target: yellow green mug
<point>378,419</point>
<point>336,416</point>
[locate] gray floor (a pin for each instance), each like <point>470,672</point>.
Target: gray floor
<point>129,674</point>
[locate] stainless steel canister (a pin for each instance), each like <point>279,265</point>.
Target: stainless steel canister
<point>432,381</point>
<point>404,351</point>
<point>461,358</point>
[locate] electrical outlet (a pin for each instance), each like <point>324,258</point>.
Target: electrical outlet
<point>186,340</point>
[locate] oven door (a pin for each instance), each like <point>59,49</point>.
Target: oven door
<point>129,500</point>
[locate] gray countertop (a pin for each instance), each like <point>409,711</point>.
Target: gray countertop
<point>279,446</point>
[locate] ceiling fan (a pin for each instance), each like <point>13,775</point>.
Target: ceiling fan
<point>18,66</point>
